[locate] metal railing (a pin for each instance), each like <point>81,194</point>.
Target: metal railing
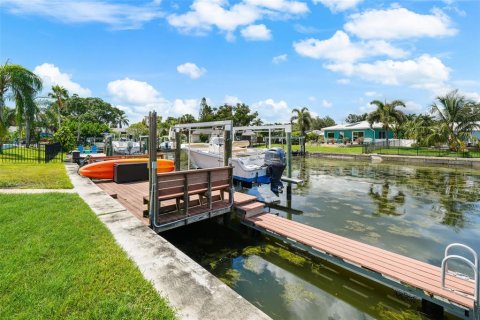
<point>473,265</point>
<point>36,152</point>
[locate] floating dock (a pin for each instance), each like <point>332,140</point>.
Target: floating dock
<point>406,275</point>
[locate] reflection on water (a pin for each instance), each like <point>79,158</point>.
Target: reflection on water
<point>411,210</point>
<point>285,284</point>
<point>415,211</point>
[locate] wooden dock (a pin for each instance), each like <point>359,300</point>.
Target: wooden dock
<point>401,273</point>
<point>131,195</point>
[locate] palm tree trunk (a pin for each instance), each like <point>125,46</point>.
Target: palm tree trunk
<point>27,131</point>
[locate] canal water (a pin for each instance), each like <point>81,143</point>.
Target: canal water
<point>411,210</point>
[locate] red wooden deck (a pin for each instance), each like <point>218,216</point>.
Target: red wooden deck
<point>130,195</point>
<point>401,269</point>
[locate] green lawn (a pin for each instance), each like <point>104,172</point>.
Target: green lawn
<point>58,261</point>
<point>355,149</point>
<point>34,176</point>
<point>30,154</point>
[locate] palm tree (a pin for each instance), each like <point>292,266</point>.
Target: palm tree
<point>7,119</point>
<point>60,94</point>
<point>387,114</point>
<point>122,119</point>
<point>304,120</point>
<point>457,118</point>
<point>419,127</point>
<point>23,85</point>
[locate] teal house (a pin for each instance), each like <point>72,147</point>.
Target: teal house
<point>353,131</point>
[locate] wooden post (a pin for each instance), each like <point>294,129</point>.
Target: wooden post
<point>227,151</point>
<point>178,149</point>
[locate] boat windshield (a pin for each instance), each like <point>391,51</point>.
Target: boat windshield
<point>217,141</point>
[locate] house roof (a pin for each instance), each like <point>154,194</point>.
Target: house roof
<point>355,126</point>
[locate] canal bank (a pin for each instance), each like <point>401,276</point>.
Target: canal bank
<point>414,160</point>
<point>189,288</point>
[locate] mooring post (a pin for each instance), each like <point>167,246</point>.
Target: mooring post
<point>178,149</point>
<point>227,138</point>
<point>152,165</point>
<point>289,153</point>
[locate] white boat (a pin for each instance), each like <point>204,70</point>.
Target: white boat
<point>248,163</point>
<point>126,147</point>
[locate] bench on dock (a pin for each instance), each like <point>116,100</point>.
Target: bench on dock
<point>196,189</point>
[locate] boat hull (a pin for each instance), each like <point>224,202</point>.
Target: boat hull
<point>244,169</point>
<point>104,169</point>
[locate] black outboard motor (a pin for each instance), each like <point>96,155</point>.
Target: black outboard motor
<point>276,161</point>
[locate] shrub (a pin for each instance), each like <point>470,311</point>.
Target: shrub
<point>360,140</point>
<point>312,137</point>
<point>66,138</point>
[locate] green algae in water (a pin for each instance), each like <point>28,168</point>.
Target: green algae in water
<point>283,253</point>
<point>295,292</point>
<point>230,277</point>
<point>385,313</point>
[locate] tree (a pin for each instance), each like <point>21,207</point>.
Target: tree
<point>353,118</point>
<point>5,122</point>
<point>242,116</point>
<point>66,138</point>
<point>138,129</point>
<point>206,112</point>
<point>23,85</point>
<point>457,118</point>
<point>418,127</point>
<point>319,123</point>
<point>387,114</point>
<point>304,120</point>
<point>60,94</point>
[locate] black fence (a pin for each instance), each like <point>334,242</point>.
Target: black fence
<point>393,149</point>
<point>36,152</point>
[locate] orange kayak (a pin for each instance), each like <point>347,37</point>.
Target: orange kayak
<point>104,169</point>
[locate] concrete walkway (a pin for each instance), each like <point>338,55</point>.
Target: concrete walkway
<point>190,289</point>
<point>17,191</point>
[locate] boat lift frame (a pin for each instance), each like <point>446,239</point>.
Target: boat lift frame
<point>269,128</point>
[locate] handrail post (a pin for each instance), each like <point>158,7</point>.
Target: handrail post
<point>473,265</point>
<point>185,195</point>
<point>209,191</point>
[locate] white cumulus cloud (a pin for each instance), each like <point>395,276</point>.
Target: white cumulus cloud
<point>137,98</point>
<point>51,76</point>
<point>338,5</point>
<point>423,72</point>
<point>205,15</point>
<point>191,70</point>
<point>399,23</point>
<point>280,58</point>
<point>256,32</point>
<point>340,48</point>
<point>231,100</point>
<point>271,111</point>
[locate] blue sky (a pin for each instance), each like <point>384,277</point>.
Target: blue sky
<point>333,56</point>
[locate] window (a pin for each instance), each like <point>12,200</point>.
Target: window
<point>382,135</point>
<point>331,135</point>
<point>357,134</point>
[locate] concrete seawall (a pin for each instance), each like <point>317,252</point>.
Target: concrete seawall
<point>418,160</point>
<point>191,290</point>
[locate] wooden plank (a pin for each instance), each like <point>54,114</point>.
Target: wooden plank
<point>406,270</point>
<point>380,257</point>
<point>364,250</point>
